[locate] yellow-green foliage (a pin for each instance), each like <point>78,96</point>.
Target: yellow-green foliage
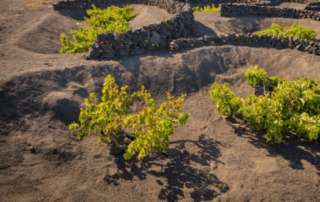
<point>287,108</point>
<point>110,116</point>
<point>112,19</point>
<point>294,31</point>
<point>206,9</point>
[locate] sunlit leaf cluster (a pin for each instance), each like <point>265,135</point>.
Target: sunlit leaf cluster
<point>206,9</point>
<point>110,116</point>
<point>294,31</point>
<point>285,108</point>
<point>98,21</point>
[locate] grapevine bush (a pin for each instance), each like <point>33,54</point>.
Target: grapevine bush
<point>285,108</point>
<point>294,31</point>
<point>110,116</point>
<point>98,21</point>
<point>206,9</point>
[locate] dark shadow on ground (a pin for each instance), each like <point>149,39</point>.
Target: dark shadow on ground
<point>293,149</point>
<point>199,29</point>
<point>177,169</point>
<point>7,108</point>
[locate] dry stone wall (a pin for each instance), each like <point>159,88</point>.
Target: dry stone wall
<point>312,47</point>
<point>149,38</point>
<point>177,33</point>
<point>152,37</point>
<point>257,2</point>
<point>242,10</point>
<point>313,6</point>
<point>171,6</point>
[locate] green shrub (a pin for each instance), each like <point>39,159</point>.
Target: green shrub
<point>110,117</point>
<point>287,108</point>
<point>294,31</point>
<point>112,19</point>
<point>206,9</point>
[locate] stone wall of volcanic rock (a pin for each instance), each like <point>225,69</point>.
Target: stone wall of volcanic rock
<point>152,37</point>
<point>149,38</point>
<point>171,6</point>
<point>312,47</point>
<point>258,2</point>
<point>242,10</point>
<point>313,6</point>
<point>176,33</point>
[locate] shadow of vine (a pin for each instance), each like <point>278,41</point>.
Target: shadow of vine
<point>177,169</point>
<point>293,149</point>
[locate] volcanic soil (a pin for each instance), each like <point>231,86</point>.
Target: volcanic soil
<point>209,159</point>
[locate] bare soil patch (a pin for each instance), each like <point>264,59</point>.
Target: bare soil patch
<point>209,159</point>
<point>292,5</point>
<point>147,15</point>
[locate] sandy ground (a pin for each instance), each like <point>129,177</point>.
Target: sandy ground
<point>147,15</point>
<point>291,5</point>
<point>209,158</point>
